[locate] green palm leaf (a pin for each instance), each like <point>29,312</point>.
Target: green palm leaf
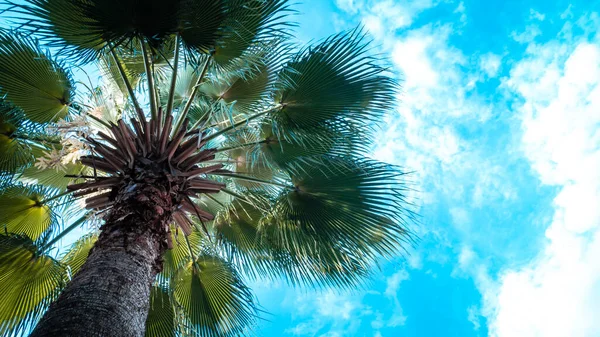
<point>335,78</point>
<point>161,317</point>
<point>85,28</point>
<point>239,235</point>
<point>355,205</point>
<point>213,298</point>
<point>54,178</point>
<point>201,23</point>
<point>76,256</point>
<point>14,153</point>
<point>131,58</point>
<point>249,238</point>
<point>186,79</point>
<point>29,281</point>
<point>249,22</point>
<point>23,211</point>
<point>242,90</point>
<point>179,255</point>
<point>33,81</point>
<point>287,146</point>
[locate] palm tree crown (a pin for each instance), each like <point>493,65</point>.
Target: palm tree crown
<point>253,150</point>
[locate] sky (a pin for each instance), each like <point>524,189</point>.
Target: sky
<point>499,119</point>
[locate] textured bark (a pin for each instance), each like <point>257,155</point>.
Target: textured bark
<point>110,294</point>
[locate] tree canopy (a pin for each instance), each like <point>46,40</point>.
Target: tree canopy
<point>285,130</point>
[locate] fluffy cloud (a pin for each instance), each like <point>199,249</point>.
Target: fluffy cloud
<point>490,64</point>
<point>558,294</point>
<point>383,16</point>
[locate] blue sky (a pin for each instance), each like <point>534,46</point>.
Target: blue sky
<point>499,119</point>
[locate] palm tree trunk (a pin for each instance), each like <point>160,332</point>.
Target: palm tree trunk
<point>110,294</point>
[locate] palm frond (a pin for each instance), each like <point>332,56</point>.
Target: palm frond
<point>23,211</point>
<point>249,237</point>
<point>201,22</point>
<point>161,321</point>
<point>335,78</point>
<point>131,59</point>
<point>179,254</point>
<point>33,81</point>
<point>14,152</point>
<point>78,253</point>
<point>241,90</point>
<point>55,178</point>
<point>287,146</point>
<point>29,282</point>
<point>83,29</point>
<point>213,298</point>
<point>240,239</point>
<point>249,22</point>
<point>355,208</point>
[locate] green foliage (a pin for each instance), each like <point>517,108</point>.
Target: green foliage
<point>78,253</point>
<point>179,255</point>
<point>23,211</point>
<point>248,22</point>
<point>335,78</point>
<point>55,178</point>
<point>31,80</point>
<point>86,28</point>
<point>14,152</point>
<point>161,317</point>
<point>29,280</point>
<point>355,204</point>
<point>292,128</point>
<point>213,297</point>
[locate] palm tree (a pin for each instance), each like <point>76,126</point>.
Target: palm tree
<point>210,151</point>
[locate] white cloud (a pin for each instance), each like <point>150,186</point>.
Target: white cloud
<point>385,17</point>
<point>473,317</point>
<point>332,313</point>
<point>557,294</point>
<point>528,35</point>
<point>391,291</point>
<point>535,15</point>
<point>490,64</point>
<point>393,282</point>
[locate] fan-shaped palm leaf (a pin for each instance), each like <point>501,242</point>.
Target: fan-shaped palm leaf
<point>24,211</point>
<point>213,298</point>
<point>14,153</point>
<point>77,254</point>
<point>56,178</point>
<point>161,317</point>
<point>248,22</point>
<point>335,78</point>
<point>180,254</point>
<point>238,231</point>
<point>33,81</point>
<point>29,280</point>
<point>356,205</point>
<point>84,28</point>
